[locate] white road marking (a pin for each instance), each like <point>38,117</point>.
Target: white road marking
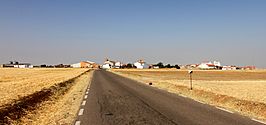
<point>259,121</point>
<point>77,123</point>
<point>200,101</point>
<point>183,96</point>
<point>83,103</point>
<point>86,96</point>
<point>81,111</point>
<point>224,110</point>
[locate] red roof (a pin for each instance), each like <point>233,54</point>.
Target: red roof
<point>210,65</point>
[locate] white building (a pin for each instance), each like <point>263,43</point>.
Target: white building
<point>108,64</point>
<point>141,64</point>
<point>85,64</point>
<point>217,63</point>
<point>207,65</point>
<point>118,65</point>
<point>229,68</point>
<point>23,65</point>
<point>15,64</point>
<point>76,65</point>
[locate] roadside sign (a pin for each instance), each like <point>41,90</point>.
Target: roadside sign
<point>190,77</point>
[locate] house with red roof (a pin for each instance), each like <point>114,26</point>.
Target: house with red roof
<point>209,65</point>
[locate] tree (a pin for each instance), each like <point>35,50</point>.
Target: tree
<point>160,64</point>
<point>129,65</point>
<point>177,66</point>
<point>168,66</point>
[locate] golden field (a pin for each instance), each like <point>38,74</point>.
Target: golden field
<point>62,109</point>
<point>241,91</point>
<point>247,85</point>
<point>17,83</point>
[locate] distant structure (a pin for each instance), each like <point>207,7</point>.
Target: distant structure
<point>190,66</point>
<point>209,65</point>
<point>16,64</point>
<point>248,68</point>
<point>62,66</point>
<point>229,68</point>
<point>118,65</point>
<point>108,64</point>
<point>141,64</point>
<point>216,65</point>
<point>85,64</point>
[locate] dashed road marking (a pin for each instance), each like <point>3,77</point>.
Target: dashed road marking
<point>259,121</point>
<point>83,103</point>
<point>81,111</point>
<point>86,96</point>
<point>225,110</point>
<point>77,123</point>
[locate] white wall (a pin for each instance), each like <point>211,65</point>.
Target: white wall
<point>76,65</point>
<point>141,66</point>
<point>106,66</point>
<point>205,66</point>
<point>23,66</point>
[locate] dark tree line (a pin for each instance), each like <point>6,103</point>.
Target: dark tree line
<point>161,65</point>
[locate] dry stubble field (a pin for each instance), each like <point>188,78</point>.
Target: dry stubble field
<point>19,83</point>
<point>241,91</point>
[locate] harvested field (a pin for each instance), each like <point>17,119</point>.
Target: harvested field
<point>242,91</point>
<point>24,90</point>
<point>61,109</point>
<point>18,83</point>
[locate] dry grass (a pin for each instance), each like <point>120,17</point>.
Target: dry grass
<point>60,111</point>
<point>17,83</point>
<point>242,91</point>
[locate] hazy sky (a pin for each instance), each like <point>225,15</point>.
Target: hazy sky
<point>171,31</point>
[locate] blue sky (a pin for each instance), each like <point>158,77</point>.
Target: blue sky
<point>173,31</point>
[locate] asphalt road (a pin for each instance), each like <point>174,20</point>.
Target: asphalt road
<point>115,100</point>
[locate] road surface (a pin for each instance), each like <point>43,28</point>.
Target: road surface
<point>115,100</point>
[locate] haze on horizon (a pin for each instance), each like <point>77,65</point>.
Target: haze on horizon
<point>174,31</point>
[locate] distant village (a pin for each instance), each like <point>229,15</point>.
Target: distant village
<point>140,64</point>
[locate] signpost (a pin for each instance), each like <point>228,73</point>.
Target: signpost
<point>190,77</point>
